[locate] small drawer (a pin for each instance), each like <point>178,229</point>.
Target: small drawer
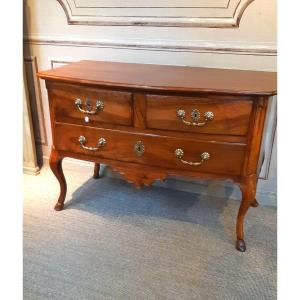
<point>212,115</point>
<point>165,152</point>
<point>90,106</point>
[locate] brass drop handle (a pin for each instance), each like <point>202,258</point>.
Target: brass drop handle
<point>89,110</point>
<point>82,141</point>
<point>195,115</point>
<point>179,153</point>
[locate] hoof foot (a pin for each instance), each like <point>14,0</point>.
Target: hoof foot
<point>241,245</point>
<point>59,206</point>
<point>96,176</point>
<point>255,203</point>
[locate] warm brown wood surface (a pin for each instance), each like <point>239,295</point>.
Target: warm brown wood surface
<point>226,158</point>
<point>231,115</point>
<point>117,105</point>
<point>165,78</point>
<point>55,163</point>
<point>141,103</point>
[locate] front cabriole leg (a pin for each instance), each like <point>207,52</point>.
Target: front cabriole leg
<point>56,167</point>
<point>255,203</point>
<point>248,189</point>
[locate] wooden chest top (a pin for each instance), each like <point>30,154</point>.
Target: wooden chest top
<point>165,78</point>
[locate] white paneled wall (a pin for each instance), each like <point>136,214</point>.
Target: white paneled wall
<point>30,165</point>
<point>208,33</point>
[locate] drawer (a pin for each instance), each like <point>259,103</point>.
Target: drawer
<point>212,115</point>
<point>94,106</point>
<point>225,158</point>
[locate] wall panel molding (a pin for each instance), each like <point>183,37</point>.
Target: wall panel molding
<point>56,63</point>
<point>35,97</point>
<point>30,165</point>
<point>161,13</point>
<point>215,47</point>
<point>268,138</point>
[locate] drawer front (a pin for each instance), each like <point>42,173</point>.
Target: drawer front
<point>225,158</point>
<point>218,115</point>
<point>94,106</point>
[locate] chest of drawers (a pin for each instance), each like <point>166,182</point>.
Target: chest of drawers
<point>149,121</point>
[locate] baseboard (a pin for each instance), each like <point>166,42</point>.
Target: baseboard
<point>73,164</point>
<point>31,170</point>
<point>204,188</point>
<point>217,189</point>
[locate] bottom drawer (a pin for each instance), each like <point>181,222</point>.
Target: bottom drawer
<point>154,150</point>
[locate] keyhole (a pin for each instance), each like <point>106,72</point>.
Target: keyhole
<point>195,114</point>
<point>139,148</point>
<point>88,105</point>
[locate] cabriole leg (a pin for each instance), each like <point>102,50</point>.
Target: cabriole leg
<point>56,167</point>
<point>255,203</point>
<point>96,171</point>
<point>248,189</point>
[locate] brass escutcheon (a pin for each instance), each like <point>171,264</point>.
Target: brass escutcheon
<point>139,148</point>
<point>195,115</point>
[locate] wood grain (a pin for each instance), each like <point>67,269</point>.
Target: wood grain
<point>248,189</point>
<point>165,78</point>
<point>140,106</point>
<point>117,105</point>
<point>55,163</point>
<point>231,114</point>
<point>226,158</point>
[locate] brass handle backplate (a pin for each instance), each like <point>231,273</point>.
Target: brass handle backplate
<point>89,110</point>
<point>195,115</point>
<point>179,153</point>
<point>82,141</point>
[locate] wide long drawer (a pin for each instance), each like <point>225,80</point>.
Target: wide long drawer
<point>206,114</point>
<point>154,150</point>
<point>85,105</point>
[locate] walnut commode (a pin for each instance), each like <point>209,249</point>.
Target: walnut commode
<point>151,121</point>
